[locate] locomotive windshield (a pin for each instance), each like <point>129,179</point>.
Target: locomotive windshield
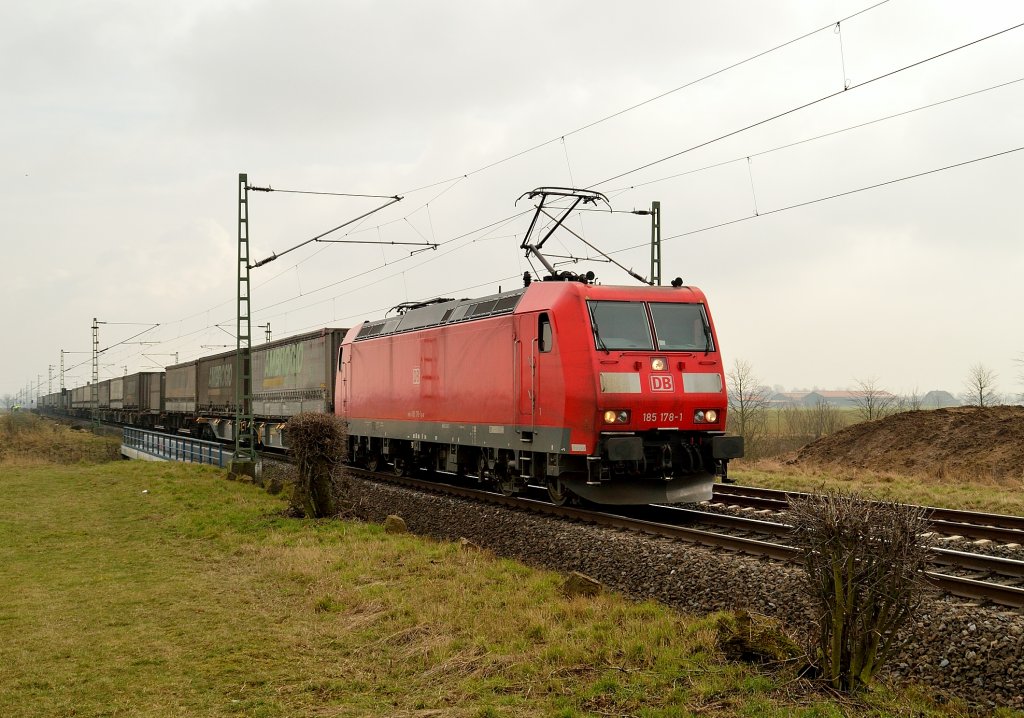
<point>626,325</point>
<point>621,325</point>
<point>682,327</point>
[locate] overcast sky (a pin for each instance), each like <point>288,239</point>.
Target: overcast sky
<point>126,124</point>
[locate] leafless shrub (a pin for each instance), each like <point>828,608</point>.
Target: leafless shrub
<point>812,422</point>
<point>912,401</point>
<point>319,443</point>
<point>863,563</point>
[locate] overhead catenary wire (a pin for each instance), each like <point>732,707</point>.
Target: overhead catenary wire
<point>824,199</point>
<point>804,106</point>
<point>648,101</point>
<point>816,137</point>
<point>452,181</point>
<point>788,145</point>
<point>457,179</point>
<point>672,237</point>
<point>718,164</point>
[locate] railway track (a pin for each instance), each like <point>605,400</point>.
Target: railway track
<point>976,525</point>
<point>994,578</point>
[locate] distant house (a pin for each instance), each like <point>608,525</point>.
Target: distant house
<point>844,399</point>
<point>937,399</point>
<point>787,398</point>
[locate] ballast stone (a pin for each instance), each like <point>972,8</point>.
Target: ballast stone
<point>394,524</point>
<point>579,584</point>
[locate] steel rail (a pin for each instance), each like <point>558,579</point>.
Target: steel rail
<point>1004,528</point>
<point>994,565</point>
<point>979,590</point>
<point>955,585</point>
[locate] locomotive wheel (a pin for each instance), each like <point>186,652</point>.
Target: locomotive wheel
<point>503,480</point>
<point>402,466</point>
<point>557,493</point>
<point>372,462</point>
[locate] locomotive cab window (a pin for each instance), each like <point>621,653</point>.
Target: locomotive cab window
<point>545,338</point>
<point>681,327</point>
<point>620,325</point>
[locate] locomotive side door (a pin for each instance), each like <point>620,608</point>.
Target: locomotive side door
<point>525,379</point>
<point>343,380</point>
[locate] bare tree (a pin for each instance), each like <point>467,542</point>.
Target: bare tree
<point>748,404</point>
<point>914,400</point>
<point>872,401</point>
<point>981,386</point>
<point>1019,361</point>
<point>8,401</point>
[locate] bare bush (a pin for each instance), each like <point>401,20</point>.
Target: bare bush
<point>914,401</point>
<point>808,423</point>
<point>319,443</point>
<point>864,563</point>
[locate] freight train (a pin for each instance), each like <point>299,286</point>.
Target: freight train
<point>608,393</point>
<point>611,394</point>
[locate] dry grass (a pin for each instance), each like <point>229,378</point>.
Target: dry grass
<point>958,490</point>
<point>198,598</point>
<point>29,440</point>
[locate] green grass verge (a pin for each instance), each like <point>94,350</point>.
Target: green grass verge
<point>141,589</point>
<point>1004,497</point>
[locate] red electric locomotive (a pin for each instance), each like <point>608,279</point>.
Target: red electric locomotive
<point>612,394</point>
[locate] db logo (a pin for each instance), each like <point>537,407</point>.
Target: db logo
<point>662,382</point>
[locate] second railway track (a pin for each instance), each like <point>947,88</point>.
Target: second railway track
<point>1002,528</point>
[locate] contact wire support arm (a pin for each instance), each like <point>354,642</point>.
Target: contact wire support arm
<point>320,237</point>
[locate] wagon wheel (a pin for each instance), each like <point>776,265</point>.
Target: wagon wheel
<point>558,493</point>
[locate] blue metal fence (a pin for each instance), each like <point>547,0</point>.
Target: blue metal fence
<point>175,448</point>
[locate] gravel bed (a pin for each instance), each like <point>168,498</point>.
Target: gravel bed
<point>958,648</point>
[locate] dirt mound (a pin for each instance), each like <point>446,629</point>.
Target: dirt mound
<point>960,442</point>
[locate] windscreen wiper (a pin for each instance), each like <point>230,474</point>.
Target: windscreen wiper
<point>707,332</point>
<point>597,332</point>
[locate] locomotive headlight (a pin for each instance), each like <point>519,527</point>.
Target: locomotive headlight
<point>705,416</point>
<point>658,364</point>
<point>609,417</point>
<point>616,416</point>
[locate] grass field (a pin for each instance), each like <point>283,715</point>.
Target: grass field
<point>141,589</point>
